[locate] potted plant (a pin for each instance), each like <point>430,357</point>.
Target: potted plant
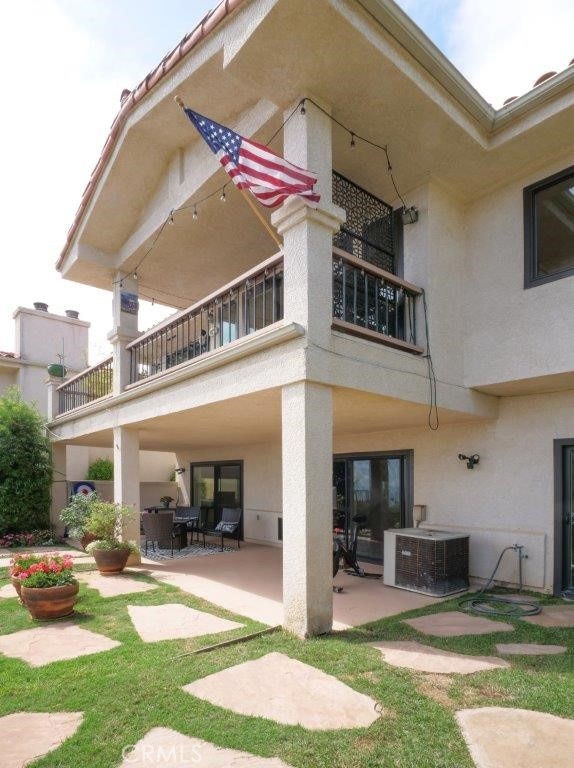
<point>76,514</point>
<point>105,524</point>
<point>48,588</point>
<point>166,501</point>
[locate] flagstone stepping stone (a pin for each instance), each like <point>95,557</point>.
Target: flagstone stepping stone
<point>553,616</point>
<point>166,748</point>
<point>508,738</point>
<point>288,691</point>
<point>528,649</point>
<point>27,736</point>
<point>112,586</point>
<point>8,591</point>
<point>456,624</point>
<point>173,621</point>
<point>55,642</point>
<point>423,658</point>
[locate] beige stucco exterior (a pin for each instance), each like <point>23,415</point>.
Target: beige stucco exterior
<point>286,397</point>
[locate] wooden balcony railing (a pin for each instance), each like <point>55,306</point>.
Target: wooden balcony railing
<point>87,386</point>
<point>247,304</point>
<point>373,303</point>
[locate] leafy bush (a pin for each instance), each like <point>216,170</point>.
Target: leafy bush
<point>38,538</point>
<point>108,544</point>
<point>76,514</point>
<point>101,469</point>
<point>105,522</point>
<point>25,466</point>
<point>41,580</point>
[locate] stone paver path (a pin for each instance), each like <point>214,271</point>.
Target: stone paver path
<point>554,616</point>
<point>288,691</point>
<point>174,621</point>
<point>26,736</point>
<point>54,642</point>
<point>112,586</point>
<point>165,748</point>
<point>456,623</point>
<point>528,649</point>
<point>8,591</point>
<point>517,738</point>
<point>423,658</point>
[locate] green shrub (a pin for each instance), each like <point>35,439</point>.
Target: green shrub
<point>25,466</point>
<point>105,522</point>
<point>42,580</point>
<point>101,469</point>
<point>76,514</point>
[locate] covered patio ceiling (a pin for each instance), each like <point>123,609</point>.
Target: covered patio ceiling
<point>256,419</point>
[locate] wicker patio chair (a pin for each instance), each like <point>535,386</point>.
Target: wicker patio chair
<point>229,526</point>
<point>160,528</point>
<point>190,517</point>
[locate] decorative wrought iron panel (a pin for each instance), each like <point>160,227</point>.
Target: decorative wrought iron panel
<point>369,232</point>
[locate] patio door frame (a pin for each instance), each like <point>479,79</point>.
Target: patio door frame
<point>216,465</point>
<point>560,447</point>
<point>407,456</point>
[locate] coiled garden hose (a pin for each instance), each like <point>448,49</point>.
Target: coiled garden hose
<point>493,605</point>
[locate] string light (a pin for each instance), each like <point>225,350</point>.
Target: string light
<point>222,197</point>
<point>352,139</point>
<point>171,221</point>
<point>135,275</point>
<point>195,214</point>
<point>303,110</point>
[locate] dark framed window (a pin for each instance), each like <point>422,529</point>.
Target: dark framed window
<point>549,229</point>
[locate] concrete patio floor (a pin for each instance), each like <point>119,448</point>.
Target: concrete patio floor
<point>249,582</point>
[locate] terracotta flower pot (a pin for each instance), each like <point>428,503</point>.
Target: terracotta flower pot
<point>50,602</point>
<point>17,584</point>
<point>110,561</point>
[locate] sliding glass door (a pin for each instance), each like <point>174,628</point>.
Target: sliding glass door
<point>215,485</point>
<point>377,487</point>
<point>568,521</point>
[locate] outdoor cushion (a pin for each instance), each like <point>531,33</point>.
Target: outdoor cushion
<point>224,527</point>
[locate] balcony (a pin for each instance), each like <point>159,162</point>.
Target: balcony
<point>92,384</point>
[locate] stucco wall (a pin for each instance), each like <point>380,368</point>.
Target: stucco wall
<point>262,492</point>
<point>512,333</point>
<point>508,498</point>
<point>8,377</point>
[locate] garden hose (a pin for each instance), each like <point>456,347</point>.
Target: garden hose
<point>493,605</point>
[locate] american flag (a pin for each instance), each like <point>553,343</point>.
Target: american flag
<point>253,166</point>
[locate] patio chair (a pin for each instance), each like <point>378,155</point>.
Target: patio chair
<point>229,526</point>
<point>160,527</point>
<point>190,517</point>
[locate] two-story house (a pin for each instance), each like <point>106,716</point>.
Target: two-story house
<point>300,380</point>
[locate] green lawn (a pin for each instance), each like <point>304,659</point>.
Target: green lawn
<point>136,686</point>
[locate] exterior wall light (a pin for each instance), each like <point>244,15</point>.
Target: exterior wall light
<point>179,470</point>
<point>470,460</point>
<point>409,215</point>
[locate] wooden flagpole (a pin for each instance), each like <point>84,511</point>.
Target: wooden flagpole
<point>271,232</point>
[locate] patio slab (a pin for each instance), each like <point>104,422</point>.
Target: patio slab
<point>235,582</point>
<point>507,738</point>
<point>112,586</point>
<point>456,624</point>
<point>529,649</point>
<point>166,748</point>
<point>7,591</point>
<point>553,616</point>
<point>54,642</point>
<point>287,691</point>
<point>173,621</point>
<point>27,736</point>
<point>424,658</point>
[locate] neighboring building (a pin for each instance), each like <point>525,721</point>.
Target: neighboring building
<point>43,338</point>
<point>294,382</point>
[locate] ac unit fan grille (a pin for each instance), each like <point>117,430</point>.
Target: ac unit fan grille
<point>436,567</point>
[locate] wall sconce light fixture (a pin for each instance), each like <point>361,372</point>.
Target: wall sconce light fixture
<point>470,460</point>
<point>179,470</point>
<point>409,215</point>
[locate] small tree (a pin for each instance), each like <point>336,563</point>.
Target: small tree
<point>25,466</point>
<point>101,469</point>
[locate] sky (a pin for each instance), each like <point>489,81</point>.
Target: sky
<point>65,63</point>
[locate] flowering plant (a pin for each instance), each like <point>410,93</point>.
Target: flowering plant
<point>27,539</point>
<point>51,570</point>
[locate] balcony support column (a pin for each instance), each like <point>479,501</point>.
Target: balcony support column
<point>125,305</point>
<point>307,229</point>
<point>127,480</point>
<point>307,461</point>
<point>59,486</point>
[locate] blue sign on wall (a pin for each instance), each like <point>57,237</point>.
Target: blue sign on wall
<point>129,303</point>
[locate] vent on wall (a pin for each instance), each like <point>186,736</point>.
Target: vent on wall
<point>280,528</point>
<point>431,562</point>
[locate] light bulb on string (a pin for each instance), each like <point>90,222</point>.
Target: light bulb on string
<point>303,110</point>
<point>171,219</point>
<point>195,212</point>
<point>135,275</point>
<point>222,197</point>
<point>353,139</point>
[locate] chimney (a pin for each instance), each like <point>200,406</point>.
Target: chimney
<point>72,313</point>
<point>40,306</point>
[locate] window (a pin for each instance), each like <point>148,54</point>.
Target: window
<point>549,229</point>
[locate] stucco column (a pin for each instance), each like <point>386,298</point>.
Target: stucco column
<point>127,478</point>
<point>183,479</point>
<point>59,485</point>
<point>307,437</point>
<point>307,230</point>
<point>53,396</point>
<point>125,327</point>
